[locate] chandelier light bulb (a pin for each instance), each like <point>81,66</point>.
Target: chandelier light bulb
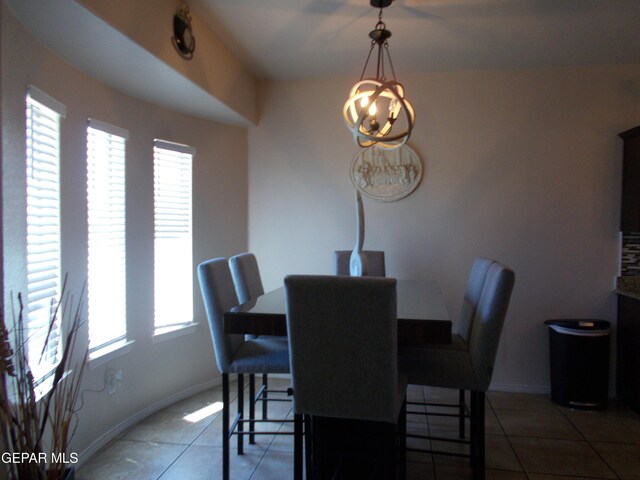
<point>367,97</point>
<point>393,109</point>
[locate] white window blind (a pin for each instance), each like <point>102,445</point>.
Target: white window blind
<point>106,280</point>
<point>173,259</point>
<point>43,232</point>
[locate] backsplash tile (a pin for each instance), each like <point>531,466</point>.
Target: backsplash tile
<point>630,261</point>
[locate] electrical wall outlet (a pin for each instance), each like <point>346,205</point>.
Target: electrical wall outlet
<point>113,380</point>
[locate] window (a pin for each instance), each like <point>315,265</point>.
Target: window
<point>106,279</point>
<point>43,232</point>
<point>173,259</point>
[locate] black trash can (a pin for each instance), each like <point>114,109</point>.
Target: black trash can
<point>579,351</point>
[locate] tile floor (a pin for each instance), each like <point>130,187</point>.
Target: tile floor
<point>528,437</point>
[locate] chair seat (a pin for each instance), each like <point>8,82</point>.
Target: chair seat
<point>438,367</point>
<point>264,354</point>
<point>457,343</point>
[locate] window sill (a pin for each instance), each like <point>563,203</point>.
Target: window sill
<point>44,387</point>
<point>106,354</point>
<point>169,333</point>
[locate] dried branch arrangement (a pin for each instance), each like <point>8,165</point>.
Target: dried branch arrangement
<point>37,432</point>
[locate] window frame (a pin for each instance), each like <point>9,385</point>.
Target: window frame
<point>186,324</point>
<point>43,219</point>
<point>114,206</point>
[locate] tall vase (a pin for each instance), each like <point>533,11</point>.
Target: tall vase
<point>358,266</point>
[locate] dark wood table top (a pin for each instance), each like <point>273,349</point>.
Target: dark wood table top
<point>423,318</point>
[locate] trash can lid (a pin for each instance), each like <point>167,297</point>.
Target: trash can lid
<point>581,327</point>
<point>580,324</point>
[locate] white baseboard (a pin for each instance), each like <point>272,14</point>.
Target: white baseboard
<point>515,388</point>
<point>279,375</point>
<point>104,439</point>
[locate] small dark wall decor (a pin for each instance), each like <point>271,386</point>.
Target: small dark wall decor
<point>183,39</point>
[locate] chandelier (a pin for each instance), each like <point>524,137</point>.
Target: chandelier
<point>377,112</point>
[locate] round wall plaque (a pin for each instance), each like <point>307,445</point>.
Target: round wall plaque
<point>386,175</point>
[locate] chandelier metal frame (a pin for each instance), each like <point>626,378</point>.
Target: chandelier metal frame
<point>361,112</point>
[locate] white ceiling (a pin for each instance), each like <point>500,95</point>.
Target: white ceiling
<point>294,39</point>
<point>284,39</point>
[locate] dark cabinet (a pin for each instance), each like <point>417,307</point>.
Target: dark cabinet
<point>630,218</point>
<point>628,355</point>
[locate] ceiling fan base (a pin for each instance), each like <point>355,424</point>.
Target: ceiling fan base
<point>380,3</point>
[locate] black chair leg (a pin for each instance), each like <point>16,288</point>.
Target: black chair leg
<point>297,446</point>
<point>225,426</point>
<point>473,429</point>
<point>402,432</point>
<point>252,407</point>
<point>240,413</point>
<point>461,413</point>
<point>265,384</point>
<point>308,447</point>
<point>477,435</point>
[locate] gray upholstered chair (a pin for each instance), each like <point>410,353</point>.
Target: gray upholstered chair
<point>343,345</point>
<point>246,277</point>
<point>460,339</point>
<point>470,367</point>
<point>234,354</point>
<point>475,284</point>
<point>375,262</point>
<point>248,282</point>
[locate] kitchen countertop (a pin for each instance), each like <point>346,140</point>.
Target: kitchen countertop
<point>627,293</point>
<point>628,286</point>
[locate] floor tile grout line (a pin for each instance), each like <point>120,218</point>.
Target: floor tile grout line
<point>264,454</point>
<point>425,398</point>
<point>585,439</point>
<point>431,446</point>
<point>589,443</point>
<point>261,455</point>
<point>231,399</point>
<point>186,447</point>
<point>431,455</point>
<point>282,424</point>
<point>194,440</point>
<point>513,450</point>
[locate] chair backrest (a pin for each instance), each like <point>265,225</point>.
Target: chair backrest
<point>219,295</point>
<point>375,262</point>
<point>343,346</point>
<point>488,322</point>
<point>246,277</point>
<point>475,282</point>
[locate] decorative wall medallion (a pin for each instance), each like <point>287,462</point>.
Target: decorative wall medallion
<point>386,175</point>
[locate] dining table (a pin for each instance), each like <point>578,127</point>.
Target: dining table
<point>423,318</point>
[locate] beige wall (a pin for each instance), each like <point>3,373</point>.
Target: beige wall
<point>213,67</point>
<point>152,372</point>
<point>521,166</point>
